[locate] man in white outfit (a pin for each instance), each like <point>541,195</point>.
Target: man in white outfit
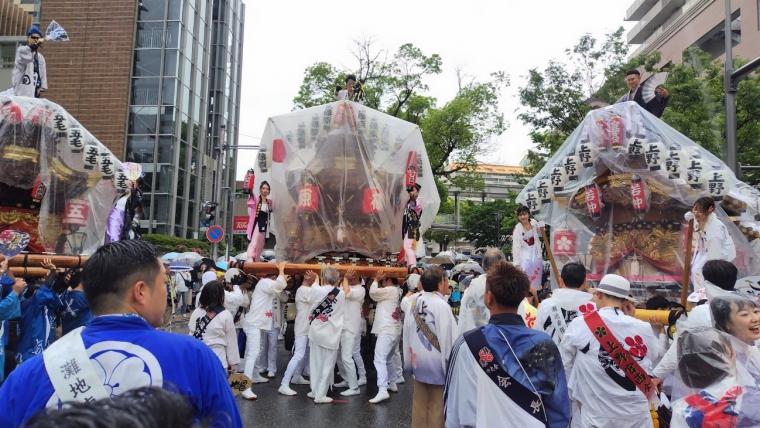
<point>326,319</point>
<point>258,319</point>
<point>567,303</point>
<point>301,331</point>
<point>269,339</point>
<point>350,334</point>
<point>387,327</point>
<point>473,312</point>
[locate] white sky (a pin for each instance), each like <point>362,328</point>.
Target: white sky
<point>283,37</point>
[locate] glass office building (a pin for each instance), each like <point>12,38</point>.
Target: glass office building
<point>180,75</point>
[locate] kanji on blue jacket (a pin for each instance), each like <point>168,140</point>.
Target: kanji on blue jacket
<point>36,329</point>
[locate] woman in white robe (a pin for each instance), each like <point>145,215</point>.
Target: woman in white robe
<point>214,325</point>
<point>527,252</point>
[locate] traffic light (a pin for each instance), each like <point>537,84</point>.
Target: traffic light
<point>208,216</point>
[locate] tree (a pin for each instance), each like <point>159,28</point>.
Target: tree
<point>489,224</point>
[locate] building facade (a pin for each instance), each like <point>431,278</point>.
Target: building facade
<point>672,26</point>
<point>138,76</point>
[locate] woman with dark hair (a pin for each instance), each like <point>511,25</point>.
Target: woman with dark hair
<point>259,211</point>
<point>527,252</point>
<point>713,242</point>
<point>737,316</point>
<point>215,326</point>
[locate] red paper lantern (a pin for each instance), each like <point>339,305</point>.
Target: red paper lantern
<point>39,189</point>
<point>372,202</point>
<point>308,198</point>
<point>593,201</point>
<point>250,179</point>
<point>76,212</point>
<point>564,242</point>
<point>638,195</point>
<point>278,150</point>
<point>613,132</point>
<point>411,169</point>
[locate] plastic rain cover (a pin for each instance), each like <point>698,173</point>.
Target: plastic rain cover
<point>616,191</point>
<point>57,182</point>
<point>338,175</point>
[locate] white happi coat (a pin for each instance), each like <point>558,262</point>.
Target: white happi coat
<point>220,336</point>
<point>561,308</point>
<point>234,299</point>
<point>387,313</point>
<point>713,242</point>
<point>303,309</point>
<point>606,397</point>
<point>261,314</point>
<point>473,312</point>
<point>352,318</point>
<point>326,332</point>
<point>421,359</point>
<point>23,77</point>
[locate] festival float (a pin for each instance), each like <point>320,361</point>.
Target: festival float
<point>615,194</point>
<point>338,175</point>
<point>58,183</point>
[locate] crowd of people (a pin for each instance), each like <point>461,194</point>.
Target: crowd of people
<point>512,357</point>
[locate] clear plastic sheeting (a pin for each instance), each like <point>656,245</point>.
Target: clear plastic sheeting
<point>57,182</point>
<point>616,191</point>
<point>338,175</point>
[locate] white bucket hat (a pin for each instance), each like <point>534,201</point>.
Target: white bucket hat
<point>614,285</point>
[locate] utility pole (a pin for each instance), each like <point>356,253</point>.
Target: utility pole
<point>219,150</point>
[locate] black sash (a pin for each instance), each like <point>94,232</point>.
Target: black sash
<point>528,400</point>
<point>325,306</point>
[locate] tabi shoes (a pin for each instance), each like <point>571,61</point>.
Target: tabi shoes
<point>350,392</point>
<point>310,394</point>
<point>248,394</point>
<point>381,396</point>
<point>342,384</point>
<point>392,387</point>
<point>323,400</point>
<point>299,381</point>
<point>259,379</point>
<point>285,390</point>
<point>270,374</point>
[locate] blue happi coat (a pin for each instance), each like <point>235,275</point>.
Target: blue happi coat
<point>9,309</point>
<point>75,311</point>
<point>128,353</point>
<point>36,329</point>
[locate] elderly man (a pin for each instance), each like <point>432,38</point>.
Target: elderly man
<point>387,327</point>
<point>350,334</point>
<point>120,349</point>
<point>473,311</point>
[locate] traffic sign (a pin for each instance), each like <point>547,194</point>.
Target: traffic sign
<point>215,234</point>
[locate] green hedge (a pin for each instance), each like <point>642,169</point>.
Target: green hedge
<point>168,243</point>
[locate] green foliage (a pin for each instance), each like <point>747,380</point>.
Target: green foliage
<point>168,243</point>
<point>443,237</point>
<point>489,224</point>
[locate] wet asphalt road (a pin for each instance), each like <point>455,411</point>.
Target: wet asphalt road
<point>272,409</point>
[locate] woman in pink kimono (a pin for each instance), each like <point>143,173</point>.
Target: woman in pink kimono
<point>259,210</point>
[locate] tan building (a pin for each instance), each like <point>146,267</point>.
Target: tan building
<point>672,26</point>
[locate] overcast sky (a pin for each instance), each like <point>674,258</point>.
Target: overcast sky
<point>283,37</point>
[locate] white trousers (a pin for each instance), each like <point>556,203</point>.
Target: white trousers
<point>298,360</point>
<point>357,355</point>
<point>346,361</point>
<point>321,367</point>
<point>252,348</point>
<point>268,355</point>
<point>398,366</point>
<point>384,365</point>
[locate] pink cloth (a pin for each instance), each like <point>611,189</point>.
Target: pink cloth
<point>253,201</point>
<point>411,258</point>
<point>256,245</point>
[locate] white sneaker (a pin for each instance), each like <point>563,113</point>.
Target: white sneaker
<point>259,379</point>
<point>285,390</point>
<point>350,392</point>
<point>382,395</point>
<point>248,394</point>
<point>392,387</point>
<point>310,394</point>
<point>270,374</point>
<point>400,380</point>
<point>362,381</point>
<point>300,381</point>
<point>342,384</point>
<point>323,400</point>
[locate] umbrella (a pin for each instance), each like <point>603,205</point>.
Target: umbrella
<point>467,267</point>
<point>222,265</point>
<point>461,258</point>
<point>442,259</point>
<point>190,258</point>
<point>169,257</point>
<point>180,267</point>
<point>242,257</point>
<point>221,259</point>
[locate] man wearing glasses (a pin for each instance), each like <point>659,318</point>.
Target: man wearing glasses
<point>29,72</point>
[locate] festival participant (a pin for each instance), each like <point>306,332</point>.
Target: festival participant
<point>39,307</point>
<point>258,319</point>
<point>213,325</point>
<point>387,327</point>
<point>293,373</point>
<point>713,240</point>
<point>608,392</point>
<point>208,271</point>
<point>327,318</point>
<point>347,93</point>
<point>505,374</point>
<point>413,283</point>
<point>9,307</point>
<point>738,316</point>
<point>716,272</point>
<point>430,330</point>
<point>267,362</point>
<point>120,349</point>
<point>75,310</point>
<point>259,212</point>
<point>410,227</point>
<point>351,333</point>
<point>527,252</point>
<point>473,311</point>
<point>29,76</point>
<point>656,105</point>
<point>182,289</point>
<point>556,312</point>
<point>124,218</point>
